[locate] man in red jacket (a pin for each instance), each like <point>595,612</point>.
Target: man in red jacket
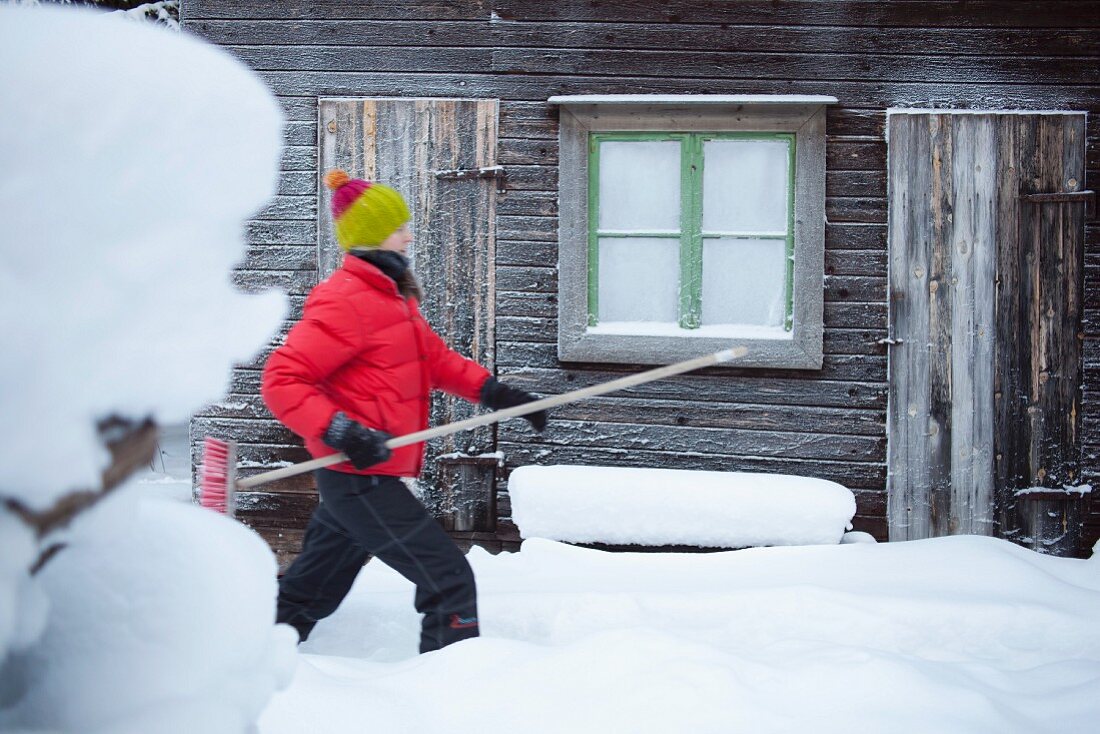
<point>355,371</point>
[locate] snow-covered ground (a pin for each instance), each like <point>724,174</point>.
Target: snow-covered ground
<point>954,635</point>
<point>963,634</point>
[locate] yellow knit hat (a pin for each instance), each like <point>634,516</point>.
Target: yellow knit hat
<point>364,214</point>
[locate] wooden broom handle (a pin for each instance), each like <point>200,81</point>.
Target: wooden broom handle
<point>639,378</point>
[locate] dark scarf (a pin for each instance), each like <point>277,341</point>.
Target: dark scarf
<point>396,266</point>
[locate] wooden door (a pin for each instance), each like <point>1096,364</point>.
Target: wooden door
<point>441,155</point>
<point>986,238</point>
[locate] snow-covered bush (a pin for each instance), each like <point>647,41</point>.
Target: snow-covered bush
<point>123,194</point>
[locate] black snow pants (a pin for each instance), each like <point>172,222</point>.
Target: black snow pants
<point>363,515</point>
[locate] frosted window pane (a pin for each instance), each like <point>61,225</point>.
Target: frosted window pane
<point>744,281</point>
<point>745,186</point>
<point>639,279</point>
<point>640,185</point>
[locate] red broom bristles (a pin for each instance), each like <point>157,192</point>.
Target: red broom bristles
<point>214,475</point>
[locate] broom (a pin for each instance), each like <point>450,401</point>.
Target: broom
<point>219,484</point>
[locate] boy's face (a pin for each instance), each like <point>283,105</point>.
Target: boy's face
<point>399,241</point>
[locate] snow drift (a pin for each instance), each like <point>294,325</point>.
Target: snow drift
<point>633,506</point>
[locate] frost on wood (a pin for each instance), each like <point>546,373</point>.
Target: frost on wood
<point>631,506</point>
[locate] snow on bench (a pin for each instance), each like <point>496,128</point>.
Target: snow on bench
<point>656,507</point>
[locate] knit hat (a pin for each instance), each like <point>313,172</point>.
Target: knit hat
<point>364,213</point>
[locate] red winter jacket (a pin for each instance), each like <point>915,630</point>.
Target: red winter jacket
<point>363,349</point>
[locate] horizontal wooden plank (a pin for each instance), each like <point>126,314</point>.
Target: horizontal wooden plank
<point>525,152</point>
<point>856,183</point>
<point>528,203</point>
<point>531,120</point>
<point>298,158</point>
<point>298,109</point>
<point>289,207</point>
<point>705,63</point>
<point>271,510</point>
<point>698,414</point>
<point>526,252</point>
<point>855,262</point>
<point>300,132</point>
<point>527,279</point>
<point>853,288</point>
<point>287,232</point>
<point>642,35</point>
<point>280,257</point>
<point>855,341</point>
<point>243,380</point>
<point>364,58</point>
<point>843,315</point>
<point>527,329</point>
<point>855,236</point>
<point>859,13</point>
<point>531,88</point>
<point>854,122</point>
<point>855,209</point>
<point>855,155</point>
<point>247,431</point>
<point>450,10</point>
<point>543,229</point>
<point>538,305</point>
<point>298,183</point>
<point>533,178</point>
<point>772,387</point>
<point>299,282</point>
<point>853,474</point>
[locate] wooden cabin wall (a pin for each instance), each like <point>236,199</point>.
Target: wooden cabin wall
<point>871,55</point>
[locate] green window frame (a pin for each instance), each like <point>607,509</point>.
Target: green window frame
<point>692,235</point>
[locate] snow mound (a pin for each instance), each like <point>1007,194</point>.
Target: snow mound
<point>631,506</point>
<point>131,156</point>
<point>161,620</point>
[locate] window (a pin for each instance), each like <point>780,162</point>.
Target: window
<point>691,230</point>
<point>690,224</point>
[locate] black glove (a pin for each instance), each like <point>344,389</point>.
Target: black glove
<point>495,395</point>
<point>364,446</point>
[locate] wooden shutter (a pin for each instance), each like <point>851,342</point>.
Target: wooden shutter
<point>986,300</point>
<point>417,146</point>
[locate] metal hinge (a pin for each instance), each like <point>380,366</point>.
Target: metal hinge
<point>464,174</point>
<point>889,341</point>
<point>1088,198</point>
